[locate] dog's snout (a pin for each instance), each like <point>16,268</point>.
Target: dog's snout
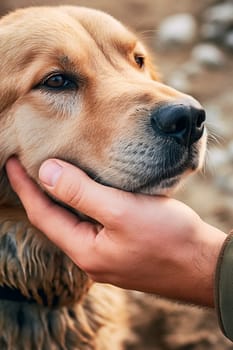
<point>184,123</point>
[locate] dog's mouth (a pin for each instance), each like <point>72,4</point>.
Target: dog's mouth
<point>167,179</point>
<point>158,173</point>
<point>154,184</point>
<point>153,187</point>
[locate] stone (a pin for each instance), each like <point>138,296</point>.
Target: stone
<point>217,158</point>
<point>218,129</point>
<point>191,69</point>
<point>228,40</point>
<point>212,31</point>
<point>213,113</point>
<point>178,30</point>
<point>208,55</point>
<point>230,150</point>
<point>221,13</point>
<point>225,183</point>
<point>179,80</point>
<point>219,115</point>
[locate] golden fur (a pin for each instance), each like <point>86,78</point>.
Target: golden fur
<point>89,124</point>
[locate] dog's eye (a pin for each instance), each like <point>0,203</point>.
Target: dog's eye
<point>59,82</point>
<point>140,60</point>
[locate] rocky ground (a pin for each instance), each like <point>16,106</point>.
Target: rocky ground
<point>193,45</point>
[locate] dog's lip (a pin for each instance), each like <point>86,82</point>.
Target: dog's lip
<point>169,177</point>
<point>164,179</point>
<point>152,183</point>
<point>163,184</point>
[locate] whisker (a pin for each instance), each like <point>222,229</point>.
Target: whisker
<point>207,166</point>
<point>147,34</point>
<point>149,31</point>
<point>214,138</point>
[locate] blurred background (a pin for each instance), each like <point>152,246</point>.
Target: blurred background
<point>192,43</point>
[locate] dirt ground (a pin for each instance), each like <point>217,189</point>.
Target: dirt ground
<point>192,328</point>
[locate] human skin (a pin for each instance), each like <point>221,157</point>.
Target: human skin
<point>153,244</point>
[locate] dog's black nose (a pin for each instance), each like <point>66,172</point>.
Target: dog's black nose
<point>184,123</point>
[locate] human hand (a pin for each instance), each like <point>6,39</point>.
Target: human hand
<point>148,243</point>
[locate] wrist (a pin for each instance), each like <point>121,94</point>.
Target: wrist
<point>208,247</point>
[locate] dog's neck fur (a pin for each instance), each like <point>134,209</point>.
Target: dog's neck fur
<point>7,195</point>
<point>88,325</point>
<point>62,313</point>
<point>8,148</point>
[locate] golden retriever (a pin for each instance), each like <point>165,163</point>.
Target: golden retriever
<point>77,85</point>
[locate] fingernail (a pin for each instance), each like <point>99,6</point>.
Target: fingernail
<point>50,172</point>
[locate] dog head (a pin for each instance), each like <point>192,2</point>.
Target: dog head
<point>79,86</point>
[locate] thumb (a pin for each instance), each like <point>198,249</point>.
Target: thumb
<point>73,187</point>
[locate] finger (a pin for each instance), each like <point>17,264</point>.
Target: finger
<point>72,186</point>
<point>60,226</point>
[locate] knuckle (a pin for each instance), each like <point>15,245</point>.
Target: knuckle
<point>93,266</point>
<point>32,217</point>
<point>97,278</point>
<point>89,267</point>
<point>117,214</point>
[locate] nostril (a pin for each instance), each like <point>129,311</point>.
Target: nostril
<point>175,125</point>
<point>181,124</point>
<point>172,120</point>
<point>200,119</point>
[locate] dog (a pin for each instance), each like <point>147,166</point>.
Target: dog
<point>77,85</point>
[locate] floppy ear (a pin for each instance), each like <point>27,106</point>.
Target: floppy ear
<point>7,145</point>
<point>8,76</point>
<point>8,96</point>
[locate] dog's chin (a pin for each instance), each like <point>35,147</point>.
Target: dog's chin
<point>166,187</point>
<point>165,184</point>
